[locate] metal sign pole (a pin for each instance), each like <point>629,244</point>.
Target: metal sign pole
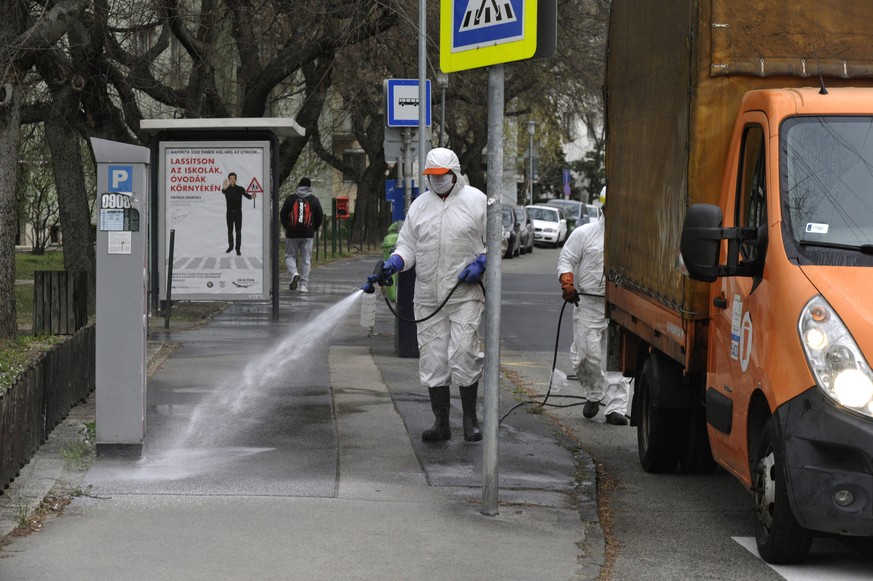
<point>422,91</point>
<point>407,170</point>
<point>492,297</point>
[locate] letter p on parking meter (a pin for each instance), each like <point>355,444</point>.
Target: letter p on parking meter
<point>120,178</point>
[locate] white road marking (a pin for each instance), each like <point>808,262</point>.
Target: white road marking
<point>829,559</point>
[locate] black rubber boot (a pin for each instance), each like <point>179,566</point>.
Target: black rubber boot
<point>440,403</point>
<point>472,433</point>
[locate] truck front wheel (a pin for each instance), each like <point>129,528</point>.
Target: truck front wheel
<point>780,538</point>
<point>657,428</point>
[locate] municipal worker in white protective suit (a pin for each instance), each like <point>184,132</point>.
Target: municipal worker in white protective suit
<point>583,283</point>
<point>443,237</point>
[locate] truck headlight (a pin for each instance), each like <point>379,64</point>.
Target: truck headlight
<point>840,369</point>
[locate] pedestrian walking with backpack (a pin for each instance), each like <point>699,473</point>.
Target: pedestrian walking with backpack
<point>301,216</point>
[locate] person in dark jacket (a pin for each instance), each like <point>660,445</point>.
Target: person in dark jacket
<point>233,195</point>
<point>299,231</point>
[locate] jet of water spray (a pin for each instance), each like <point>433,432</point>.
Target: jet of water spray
<point>236,390</point>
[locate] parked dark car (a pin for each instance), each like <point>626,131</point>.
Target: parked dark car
<point>576,213</point>
<point>525,230</point>
<point>510,233</point>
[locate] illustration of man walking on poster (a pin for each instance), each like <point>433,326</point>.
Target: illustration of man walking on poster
<point>233,195</point>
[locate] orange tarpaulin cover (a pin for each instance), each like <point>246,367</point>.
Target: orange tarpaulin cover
<point>676,73</point>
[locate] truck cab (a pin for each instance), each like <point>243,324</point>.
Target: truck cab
<point>738,251</point>
<point>788,256</point>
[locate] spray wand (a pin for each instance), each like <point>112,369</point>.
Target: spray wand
<point>383,281</point>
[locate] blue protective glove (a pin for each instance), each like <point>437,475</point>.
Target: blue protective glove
<point>474,271</point>
<point>392,265</point>
<point>369,287</point>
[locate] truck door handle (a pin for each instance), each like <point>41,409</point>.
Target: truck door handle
<point>720,302</point>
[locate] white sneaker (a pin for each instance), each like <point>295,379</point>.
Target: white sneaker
<point>294,278</point>
<point>302,288</point>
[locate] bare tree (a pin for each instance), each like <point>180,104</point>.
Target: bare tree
<point>24,38</point>
<point>236,58</point>
<point>37,197</point>
<point>566,86</point>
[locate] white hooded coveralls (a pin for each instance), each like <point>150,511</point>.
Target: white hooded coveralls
<point>583,256</point>
<point>440,238</point>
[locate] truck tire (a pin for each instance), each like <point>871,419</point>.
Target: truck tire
<point>780,538</point>
<point>696,457</point>
<point>657,433</point>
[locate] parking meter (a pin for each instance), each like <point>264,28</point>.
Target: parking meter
<point>121,305</point>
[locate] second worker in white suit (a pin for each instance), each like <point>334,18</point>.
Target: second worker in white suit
<point>583,282</point>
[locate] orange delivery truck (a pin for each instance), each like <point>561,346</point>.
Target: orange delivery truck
<point>739,250</point>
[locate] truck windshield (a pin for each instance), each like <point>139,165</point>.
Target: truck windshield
<point>827,186</point>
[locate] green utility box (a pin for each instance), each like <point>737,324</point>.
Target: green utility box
<point>388,244</point>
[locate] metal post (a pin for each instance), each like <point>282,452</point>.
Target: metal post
<point>169,303</point>
<point>531,127</point>
<point>422,90</point>
<point>275,225</point>
<point>443,82</point>
<point>492,297</point>
<point>332,223</point>
<point>336,224</point>
<point>407,170</point>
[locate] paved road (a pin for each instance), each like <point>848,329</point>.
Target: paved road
<point>675,526</point>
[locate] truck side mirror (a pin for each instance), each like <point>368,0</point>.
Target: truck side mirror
<point>702,234</point>
<point>701,238</point>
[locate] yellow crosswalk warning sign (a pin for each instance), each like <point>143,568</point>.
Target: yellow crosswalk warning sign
<point>480,33</point>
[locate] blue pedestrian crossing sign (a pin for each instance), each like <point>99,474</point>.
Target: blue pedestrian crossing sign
<point>480,33</point>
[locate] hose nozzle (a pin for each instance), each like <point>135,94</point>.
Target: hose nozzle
<point>379,277</point>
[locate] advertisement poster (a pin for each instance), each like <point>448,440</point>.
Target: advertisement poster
<point>213,198</point>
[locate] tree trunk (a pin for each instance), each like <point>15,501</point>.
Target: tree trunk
<point>66,155</point>
<point>371,192</point>
<point>10,136</point>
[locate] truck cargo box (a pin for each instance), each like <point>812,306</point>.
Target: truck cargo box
<point>676,73</point>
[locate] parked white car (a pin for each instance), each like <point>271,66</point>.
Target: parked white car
<point>593,213</point>
<point>550,227</point>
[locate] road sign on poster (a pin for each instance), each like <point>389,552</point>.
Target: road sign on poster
<point>480,33</point>
<point>205,263</point>
<point>401,99</point>
<point>255,187</point>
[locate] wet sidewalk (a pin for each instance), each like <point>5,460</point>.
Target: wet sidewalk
<point>291,449</point>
